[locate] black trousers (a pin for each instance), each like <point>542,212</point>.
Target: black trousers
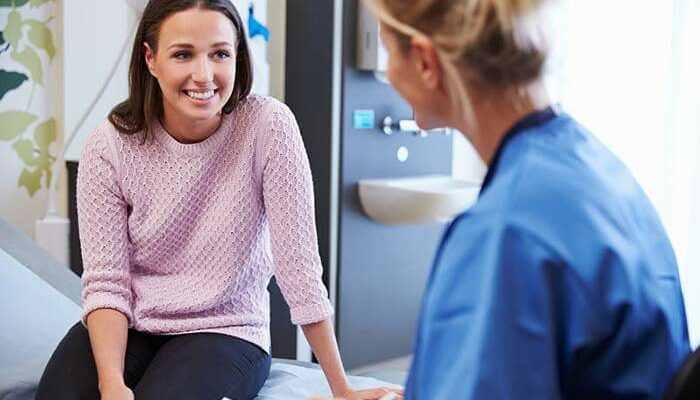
<point>198,366</point>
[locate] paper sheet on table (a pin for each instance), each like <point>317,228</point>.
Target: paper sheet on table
<point>291,382</point>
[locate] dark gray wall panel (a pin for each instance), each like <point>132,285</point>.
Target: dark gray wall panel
<point>382,269</point>
<point>308,93</point>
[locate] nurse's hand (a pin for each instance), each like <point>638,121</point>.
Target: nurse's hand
<point>369,394</point>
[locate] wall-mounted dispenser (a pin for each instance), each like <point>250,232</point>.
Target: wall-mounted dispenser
<point>371,54</point>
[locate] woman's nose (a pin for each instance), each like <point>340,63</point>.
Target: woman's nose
<point>202,71</point>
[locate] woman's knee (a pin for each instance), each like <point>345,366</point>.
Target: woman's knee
<point>252,382</point>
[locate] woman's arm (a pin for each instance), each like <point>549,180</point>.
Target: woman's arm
<point>108,335</point>
<point>289,204</point>
<point>322,340</point>
<point>107,297</point>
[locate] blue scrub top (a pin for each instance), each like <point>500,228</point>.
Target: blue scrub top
<point>560,282</point>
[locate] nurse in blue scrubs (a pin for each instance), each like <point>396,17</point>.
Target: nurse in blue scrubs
<point>560,282</point>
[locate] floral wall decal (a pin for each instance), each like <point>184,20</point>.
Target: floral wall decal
<point>27,49</point>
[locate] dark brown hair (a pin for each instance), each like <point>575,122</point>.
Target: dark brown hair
<point>145,102</point>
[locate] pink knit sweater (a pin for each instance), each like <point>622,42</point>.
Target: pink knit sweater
<point>184,238</point>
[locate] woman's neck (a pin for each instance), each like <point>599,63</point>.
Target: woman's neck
<point>495,113</point>
<point>188,131</point>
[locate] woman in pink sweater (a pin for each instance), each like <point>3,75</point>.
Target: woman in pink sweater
<point>190,197</point>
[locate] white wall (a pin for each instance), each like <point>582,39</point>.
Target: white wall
<point>466,163</point>
<point>93,34</point>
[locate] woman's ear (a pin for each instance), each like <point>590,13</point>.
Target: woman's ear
<point>427,62</point>
<point>149,56</point>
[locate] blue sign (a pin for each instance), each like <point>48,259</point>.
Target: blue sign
<point>363,119</point>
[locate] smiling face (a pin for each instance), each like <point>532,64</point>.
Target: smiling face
<point>195,65</point>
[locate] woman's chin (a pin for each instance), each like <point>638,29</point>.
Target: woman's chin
<point>200,114</point>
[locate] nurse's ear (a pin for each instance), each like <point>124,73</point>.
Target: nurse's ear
<point>427,62</point>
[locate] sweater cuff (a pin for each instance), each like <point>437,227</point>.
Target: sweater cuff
<point>309,314</point>
<point>96,301</point>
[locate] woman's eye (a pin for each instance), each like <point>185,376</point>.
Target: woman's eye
<point>182,55</point>
<point>222,54</point>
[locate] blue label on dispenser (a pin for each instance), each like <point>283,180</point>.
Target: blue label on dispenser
<point>363,119</point>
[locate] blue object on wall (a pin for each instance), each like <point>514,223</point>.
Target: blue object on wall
<point>255,27</point>
<point>363,119</point>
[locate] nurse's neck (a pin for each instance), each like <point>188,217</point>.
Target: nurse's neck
<point>495,112</point>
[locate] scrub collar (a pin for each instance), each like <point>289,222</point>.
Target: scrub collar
<point>533,120</point>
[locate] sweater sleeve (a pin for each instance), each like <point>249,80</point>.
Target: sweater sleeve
<point>289,204</point>
<point>102,217</point>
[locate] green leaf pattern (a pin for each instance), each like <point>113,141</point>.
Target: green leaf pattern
<point>37,3</point>
<point>14,123</point>
<point>41,37</point>
<point>13,3</point>
<point>32,145</point>
<point>44,135</point>
<point>13,29</point>
<point>30,180</point>
<point>37,156</point>
<point>10,81</point>
<point>25,150</point>
<point>30,59</point>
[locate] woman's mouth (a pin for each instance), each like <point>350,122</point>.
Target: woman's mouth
<point>200,95</point>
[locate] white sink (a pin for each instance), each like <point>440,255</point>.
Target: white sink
<point>416,199</point>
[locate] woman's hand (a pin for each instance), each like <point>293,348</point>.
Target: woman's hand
<point>116,392</point>
<point>374,394</point>
<point>369,394</point>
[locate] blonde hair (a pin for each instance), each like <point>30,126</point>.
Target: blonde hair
<point>493,44</point>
